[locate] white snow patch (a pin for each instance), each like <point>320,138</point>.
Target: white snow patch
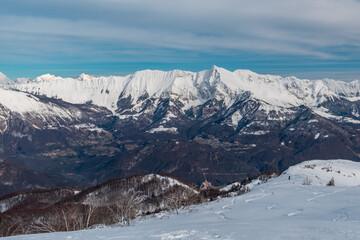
<point>235,118</point>
<point>353,99</point>
<point>172,182</point>
<point>317,136</point>
<point>258,133</point>
<point>230,186</point>
<point>325,113</point>
<point>18,134</point>
<point>350,120</point>
<point>313,121</point>
<point>161,128</point>
<point>90,127</point>
<point>168,117</point>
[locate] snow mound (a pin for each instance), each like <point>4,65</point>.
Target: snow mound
<point>161,128</point>
<point>320,172</point>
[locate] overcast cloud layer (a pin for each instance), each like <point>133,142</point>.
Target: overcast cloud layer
<point>106,35</point>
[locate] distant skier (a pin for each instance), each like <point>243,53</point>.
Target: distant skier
<point>289,178</point>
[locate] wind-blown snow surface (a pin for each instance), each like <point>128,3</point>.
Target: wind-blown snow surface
<point>191,89</point>
<point>277,209</point>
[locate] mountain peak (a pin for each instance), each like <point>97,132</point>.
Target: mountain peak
<point>85,77</point>
<point>46,78</point>
<point>216,83</point>
<point>22,80</point>
<point>214,67</point>
<point>217,69</point>
<point>4,80</point>
<point>244,72</point>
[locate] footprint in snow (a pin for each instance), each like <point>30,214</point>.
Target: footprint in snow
<point>295,212</point>
<point>219,212</point>
<point>341,217</point>
<point>258,198</point>
<point>271,207</point>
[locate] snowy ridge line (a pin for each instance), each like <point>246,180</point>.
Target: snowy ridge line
<point>320,172</point>
<point>117,201</point>
<point>24,103</point>
<point>190,88</point>
<point>4,80</point>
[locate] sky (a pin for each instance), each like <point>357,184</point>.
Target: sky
<point>305,38</point>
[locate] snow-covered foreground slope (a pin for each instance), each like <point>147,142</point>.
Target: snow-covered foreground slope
<point>278,209</point>
<point>320,172</point>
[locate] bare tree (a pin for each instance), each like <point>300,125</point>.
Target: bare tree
<point>331,182</point>
<point>307,181</point>
<point>117,201</point>
<point>91,206</point>
<point>10,226</point>
<point>126,205</point>
<point>180,197</point>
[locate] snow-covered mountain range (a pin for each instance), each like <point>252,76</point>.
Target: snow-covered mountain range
<point>145,91</point>
<point>189,88</point>
<point>226,125</point>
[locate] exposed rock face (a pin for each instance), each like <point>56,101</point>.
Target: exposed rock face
<point>226,125</point>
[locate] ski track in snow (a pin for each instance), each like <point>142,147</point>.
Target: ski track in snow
<point>261,195</point>
<point>324,195</point>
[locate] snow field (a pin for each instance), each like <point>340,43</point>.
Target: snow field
<point>278,209</point>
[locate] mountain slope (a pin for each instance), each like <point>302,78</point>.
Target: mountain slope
<point>147,91</point>
<point>14,177</point>
<point>4,80</point>
<point>277,209</point>
<point>205,85</point>
<point>36,131</point>
<point>116,201</point>
<point>221,124</point>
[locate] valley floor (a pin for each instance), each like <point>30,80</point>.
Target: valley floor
<point>278,209</point>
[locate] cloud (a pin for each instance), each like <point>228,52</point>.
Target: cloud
<point>324,29</point>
